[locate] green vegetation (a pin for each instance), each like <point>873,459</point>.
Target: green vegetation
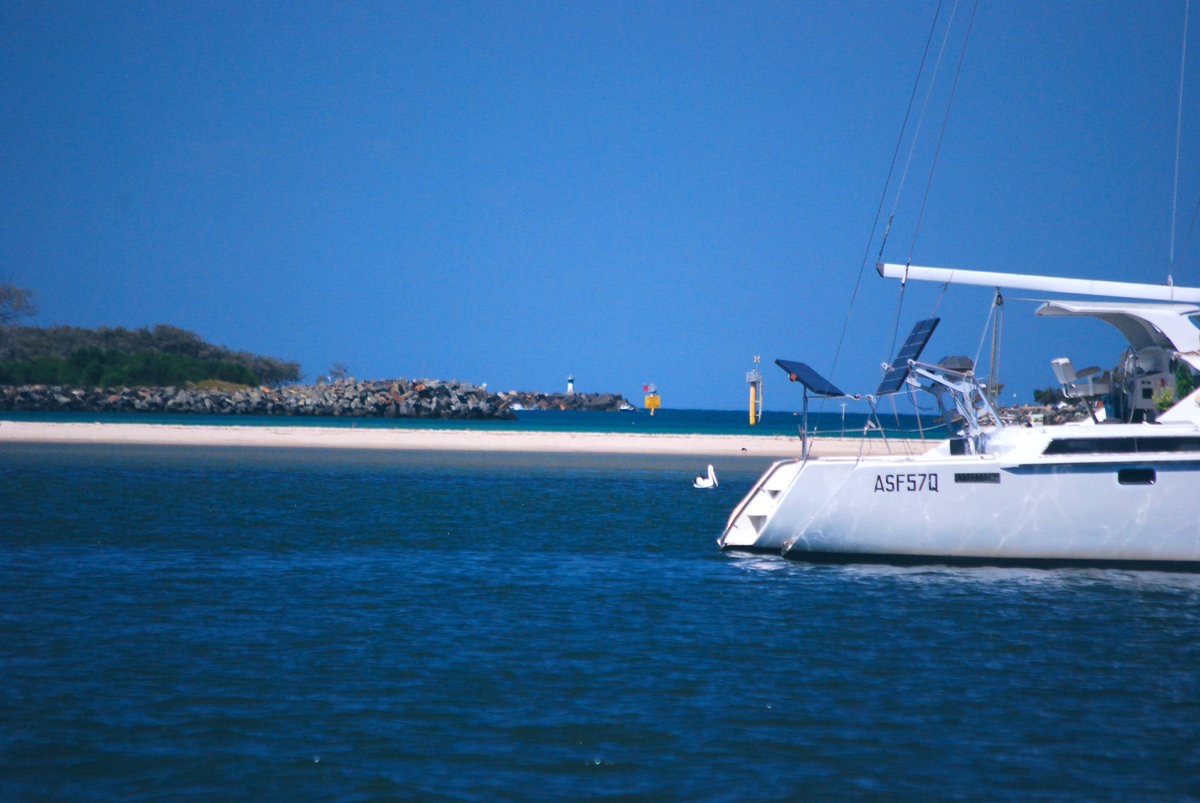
<point>1164,399</point>
<point>1048,396</point>
<point>219,385</point>
<point>164,355</point>
<point>1185,380</point>
<point>106,369</point>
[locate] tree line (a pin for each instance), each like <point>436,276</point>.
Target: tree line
<point>92,367</point>
<point>162,355</point>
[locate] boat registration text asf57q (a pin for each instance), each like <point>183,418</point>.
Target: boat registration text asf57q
<point>1123,491</point>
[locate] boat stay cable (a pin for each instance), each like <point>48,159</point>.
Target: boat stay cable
<point>886,187</point>
<point>1178,137</point>
<point>912,148</point>
<point>937,302</point>
<point>916,137</point>
<point>1191,227</point>
<point>942,133</point>
<point>986,326</point>
<point>936,153</point>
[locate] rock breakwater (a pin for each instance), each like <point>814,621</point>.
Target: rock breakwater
<point>398,398</point>
<point>594,402</point>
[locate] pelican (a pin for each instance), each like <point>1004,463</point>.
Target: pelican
<point>706,482</point>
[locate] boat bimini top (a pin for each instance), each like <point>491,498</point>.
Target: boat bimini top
<point>1166,326</point>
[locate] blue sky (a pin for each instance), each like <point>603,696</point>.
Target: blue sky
<point>630,192</point>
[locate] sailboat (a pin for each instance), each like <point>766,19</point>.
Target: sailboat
<point>1121,487</point>
<point>1120,492</point>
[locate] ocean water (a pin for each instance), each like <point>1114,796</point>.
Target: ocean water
<point>828,423</point>
<point>246,624</point>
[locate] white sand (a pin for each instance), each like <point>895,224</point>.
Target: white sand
<point>438,440</point>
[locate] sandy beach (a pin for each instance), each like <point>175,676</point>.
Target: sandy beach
<point>439,440</point>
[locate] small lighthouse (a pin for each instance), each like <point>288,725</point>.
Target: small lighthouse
<point>570,384</point>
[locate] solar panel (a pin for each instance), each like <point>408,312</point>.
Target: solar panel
<point>897,372</point>
<point>799,372</point>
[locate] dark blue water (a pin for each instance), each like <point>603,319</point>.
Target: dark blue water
<point>339,625</point>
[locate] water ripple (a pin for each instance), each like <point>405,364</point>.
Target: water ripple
<point>195,624</point>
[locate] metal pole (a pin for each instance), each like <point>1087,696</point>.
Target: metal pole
<point>804,434</point>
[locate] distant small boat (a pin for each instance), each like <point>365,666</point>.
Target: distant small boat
<point>706,482</point>
<point>626,407</point>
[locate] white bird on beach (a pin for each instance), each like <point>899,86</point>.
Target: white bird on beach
<point>706,482</point>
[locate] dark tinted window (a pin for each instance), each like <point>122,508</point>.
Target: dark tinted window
<point>1121,445</point>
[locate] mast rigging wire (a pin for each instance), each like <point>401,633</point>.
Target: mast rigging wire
<point>883,195</point>
<point>921,120</point>
<point>1178,136</point>
<point>937,152</point>
<point>908,162</point>
<point>1187,240</point>
<point>983,335</point>
<point>942,135</point>
<point>933,166</point>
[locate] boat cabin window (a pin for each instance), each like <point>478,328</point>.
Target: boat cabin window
<point>1061,446</point>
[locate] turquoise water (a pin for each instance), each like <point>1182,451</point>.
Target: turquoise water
<point>711,422</point>
<point>293,624</point>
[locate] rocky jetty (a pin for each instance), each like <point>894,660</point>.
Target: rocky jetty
<point>592,402</point>
<point>398,398</point>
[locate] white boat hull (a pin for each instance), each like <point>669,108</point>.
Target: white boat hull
<point>975,509</point>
